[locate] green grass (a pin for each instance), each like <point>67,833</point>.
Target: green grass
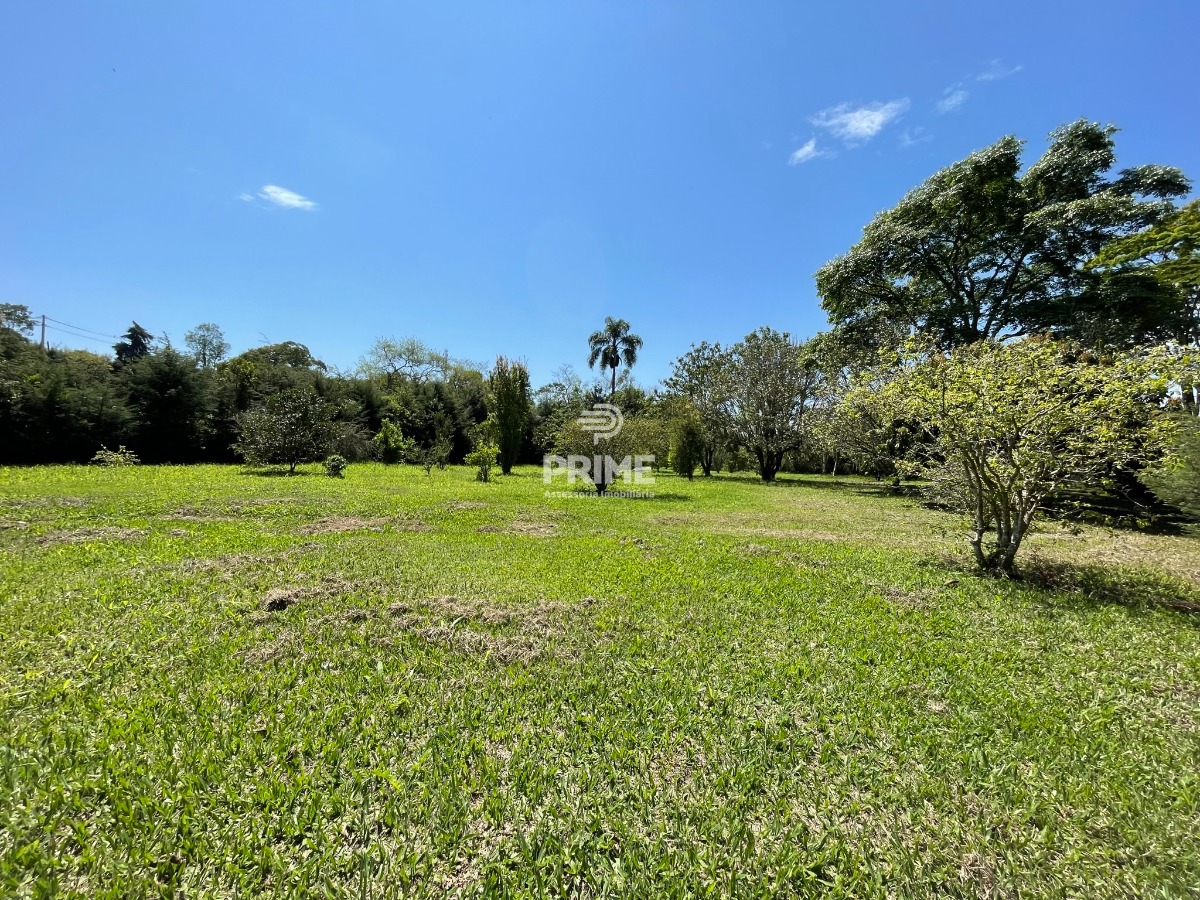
<point>219,684</point>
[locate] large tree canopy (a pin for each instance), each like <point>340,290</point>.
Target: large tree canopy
<point>1169,254</point>
<point>983,250</point>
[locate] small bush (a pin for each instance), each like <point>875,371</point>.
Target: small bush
<point>335,466</point>
<point>483,457</point>
<point>118,457</point>
<point>394,446</point>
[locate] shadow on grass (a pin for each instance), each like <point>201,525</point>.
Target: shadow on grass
<point>273,472</point>
<point>1092,583</point>
<point>1084,585</point>
<point>1067,585</point>
<point>862,487</point>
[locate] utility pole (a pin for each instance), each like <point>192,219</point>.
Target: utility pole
<point>43,332</point>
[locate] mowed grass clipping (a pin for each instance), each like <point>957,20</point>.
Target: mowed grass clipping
<point>219,684</point>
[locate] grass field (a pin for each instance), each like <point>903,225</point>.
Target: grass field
<point>214,683</point>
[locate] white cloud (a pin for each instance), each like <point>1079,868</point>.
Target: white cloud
<point>245,196</point>
<point>913,136</point>
<point>805,152</point>
<point>858,124</point>
<point>997,70</point>
<point>952,99</point>
<point>273,193</point>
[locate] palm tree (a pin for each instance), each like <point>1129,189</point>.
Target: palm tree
<point>613,345</point>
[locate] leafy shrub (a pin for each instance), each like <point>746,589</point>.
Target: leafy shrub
<point>335,466</point>
<point>394,446</point>
<point>119,457</point>
<point>291,427</point>
<point>1008,424</point>
<point>483,457</point>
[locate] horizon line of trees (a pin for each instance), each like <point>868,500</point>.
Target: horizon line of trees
<point>1067,254</point>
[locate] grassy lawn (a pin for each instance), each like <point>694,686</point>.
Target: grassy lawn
<point>214,683</point>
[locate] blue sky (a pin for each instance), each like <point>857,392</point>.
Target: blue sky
<point>498,177</point>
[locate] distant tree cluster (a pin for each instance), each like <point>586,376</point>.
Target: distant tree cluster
<point>200,405</point>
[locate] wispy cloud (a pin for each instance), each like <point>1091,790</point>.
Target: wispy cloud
<point>952,99</point>
<point>279,196</point>
<point>805,152</point>
<point>858,124</point>
<point>997,70</point>
<point>913,136</point>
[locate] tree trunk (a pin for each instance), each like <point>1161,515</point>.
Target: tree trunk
<point>706,461</point>
<point>768,463</point>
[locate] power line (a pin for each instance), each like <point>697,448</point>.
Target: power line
<point>86,337</point>
<point>81,328</point>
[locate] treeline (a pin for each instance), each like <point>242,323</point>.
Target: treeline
<point>405,403</point>
<point>988,252</point>
<point>183,405</point>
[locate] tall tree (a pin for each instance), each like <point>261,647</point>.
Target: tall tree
<point>15,317</point>
<point>169,399</point>
<point>982,250</point>
<point>770,383</point>
<point>134,344</point>
<point>613,345</point>
<point>508,395</point>
<point>406,359</point>
<point>698,377</point>
<point>207,343</point>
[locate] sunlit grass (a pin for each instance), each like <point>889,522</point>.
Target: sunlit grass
<point>223,684</point>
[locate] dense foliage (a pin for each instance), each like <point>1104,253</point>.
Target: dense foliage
<point>509,401</point>
<point>1007,424</point>
<point>983,250</point>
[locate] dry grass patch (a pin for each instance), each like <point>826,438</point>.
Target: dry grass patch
<point>83,535</point>
<point>341,524</point>
<point>477,627</point>
<point>530,529</point>
<point>534,529</point>
<point>902,596</point>
<point>284,645</point>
